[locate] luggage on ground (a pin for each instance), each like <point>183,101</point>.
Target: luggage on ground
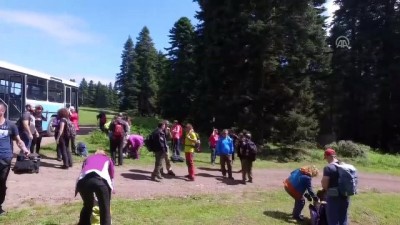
<point>27,164</point>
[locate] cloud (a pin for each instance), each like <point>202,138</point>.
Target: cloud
<point>66,29</point>
<point>331,7</point>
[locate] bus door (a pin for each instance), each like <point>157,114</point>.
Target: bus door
<point>15,97</point>
<point>74,98</point>
<point>67,97</point>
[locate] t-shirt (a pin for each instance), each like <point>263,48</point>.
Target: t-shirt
<point>8,130</point>
<point>331,172</point>
<point>26,116</point>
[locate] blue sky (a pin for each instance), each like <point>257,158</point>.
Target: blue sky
<point>76,39</point>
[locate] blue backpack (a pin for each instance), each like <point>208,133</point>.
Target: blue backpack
<point>81,149</point>
<point>348,179</point>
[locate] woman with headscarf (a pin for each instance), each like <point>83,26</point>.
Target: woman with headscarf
<point>296,186</point>
<point>96,178</point>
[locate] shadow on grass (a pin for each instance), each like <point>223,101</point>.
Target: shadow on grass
<point>285,217</point>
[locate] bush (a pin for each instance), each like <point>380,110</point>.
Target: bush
<point>349,149</point>
<point>99,138</point>
<point>283,154</point>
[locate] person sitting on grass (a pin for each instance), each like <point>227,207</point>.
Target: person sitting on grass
<point>297,184</point>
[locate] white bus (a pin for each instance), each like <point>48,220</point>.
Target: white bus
<point>20,86</point>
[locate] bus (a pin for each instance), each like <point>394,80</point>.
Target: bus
<point>20,86</point>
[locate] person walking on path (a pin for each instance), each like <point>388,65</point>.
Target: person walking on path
<point>190,146</point>
<point>176,138</point>
<point>225,150</point>
<point>160,149</point>
<point>39,118</point>
<point>62,138</point>
<point>74,117</point>
<point>248,153</point>
<point>212,142</point>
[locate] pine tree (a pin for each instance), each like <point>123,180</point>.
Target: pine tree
<point>126,79</point>
<point>178,85</point>
<point>146,60</point>
<point>91,94</point>
<point>83,93</point>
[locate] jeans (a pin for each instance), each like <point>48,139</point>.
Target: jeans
<point>298,207</point>
<point>25,138</point>
<point>213,155</point>
<point>190,163</point>
<point>36,141</point>
<point>226,159</point>
<point>336,210</point>
<point>117,144</point>
<point>176,147</point>
<point>5,166</point>
<point>90,184</point>
<point>64,150</point>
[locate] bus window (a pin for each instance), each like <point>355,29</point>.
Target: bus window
<point>16,86</point>
<point>56,92</point>
<point>36,88</point>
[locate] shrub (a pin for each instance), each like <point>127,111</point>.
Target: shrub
<point>349,149</point>
<point>99,138</point>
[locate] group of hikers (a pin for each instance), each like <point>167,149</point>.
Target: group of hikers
<point>96,179</point>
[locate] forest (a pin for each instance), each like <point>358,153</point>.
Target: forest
<point>275,68</point>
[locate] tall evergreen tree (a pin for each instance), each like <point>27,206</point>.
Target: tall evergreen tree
<point>126,78</point>
<point>257,56</point>
<point>146,61</point>
<point>177,89</point>
<point>83,92</point>
<point>91,93</point>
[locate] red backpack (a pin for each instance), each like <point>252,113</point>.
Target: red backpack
<point>118,130</point>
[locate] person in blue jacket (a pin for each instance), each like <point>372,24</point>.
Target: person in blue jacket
<point>225,150</point>
<point>296,186</point>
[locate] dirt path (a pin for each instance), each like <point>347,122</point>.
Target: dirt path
<point>56,186</point>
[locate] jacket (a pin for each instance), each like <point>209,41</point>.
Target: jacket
<point>224,146</point>
<point>161,140</point>
<point>298,183</point>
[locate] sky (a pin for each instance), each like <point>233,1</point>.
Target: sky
<point>75,39</point>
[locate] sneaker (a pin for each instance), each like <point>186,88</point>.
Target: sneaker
<point>155,179</point>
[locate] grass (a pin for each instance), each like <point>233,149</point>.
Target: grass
<point>87,116</point>
<point>240,208</point>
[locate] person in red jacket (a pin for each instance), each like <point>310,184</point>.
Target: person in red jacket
<point>74,118</point>
<point>212,141</point>
<point>176,137</point>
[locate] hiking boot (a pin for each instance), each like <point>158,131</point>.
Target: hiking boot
<point>155,179</point>
<point>171,173</point>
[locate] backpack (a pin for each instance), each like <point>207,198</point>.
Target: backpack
<point>118,132</point>
<point>293,182</point>
<point>81,149</point>
<point>70,131</point>
<point>149,142</point>
<point>251,150</point>
<point>348,179</point>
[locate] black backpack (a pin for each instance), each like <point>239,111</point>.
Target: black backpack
<point>150,142</point>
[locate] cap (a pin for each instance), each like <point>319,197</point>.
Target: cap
<point>329,152</point>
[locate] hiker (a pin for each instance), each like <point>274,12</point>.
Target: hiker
<point>9,132</point>
<point>135,142</point>
<point>26,126</point>
<point>96,178</point>
<point>337,205</point>
<point>160,149</point>
<point>127,120</point>
<point>75,121</point>
<point>248,153</point>
<point>62,138</point>
<point>118,130</point>
<point>225,150</point>
<point>39,118</point>
<point>232,134</point>
<point>212,142</point>
<point>297,184</point>
<point>176,138</point>
<point>56,124</point>
<point>236,143</point>
<point>167,160</point>
<point>102,118</point>
<point>190,146</point>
